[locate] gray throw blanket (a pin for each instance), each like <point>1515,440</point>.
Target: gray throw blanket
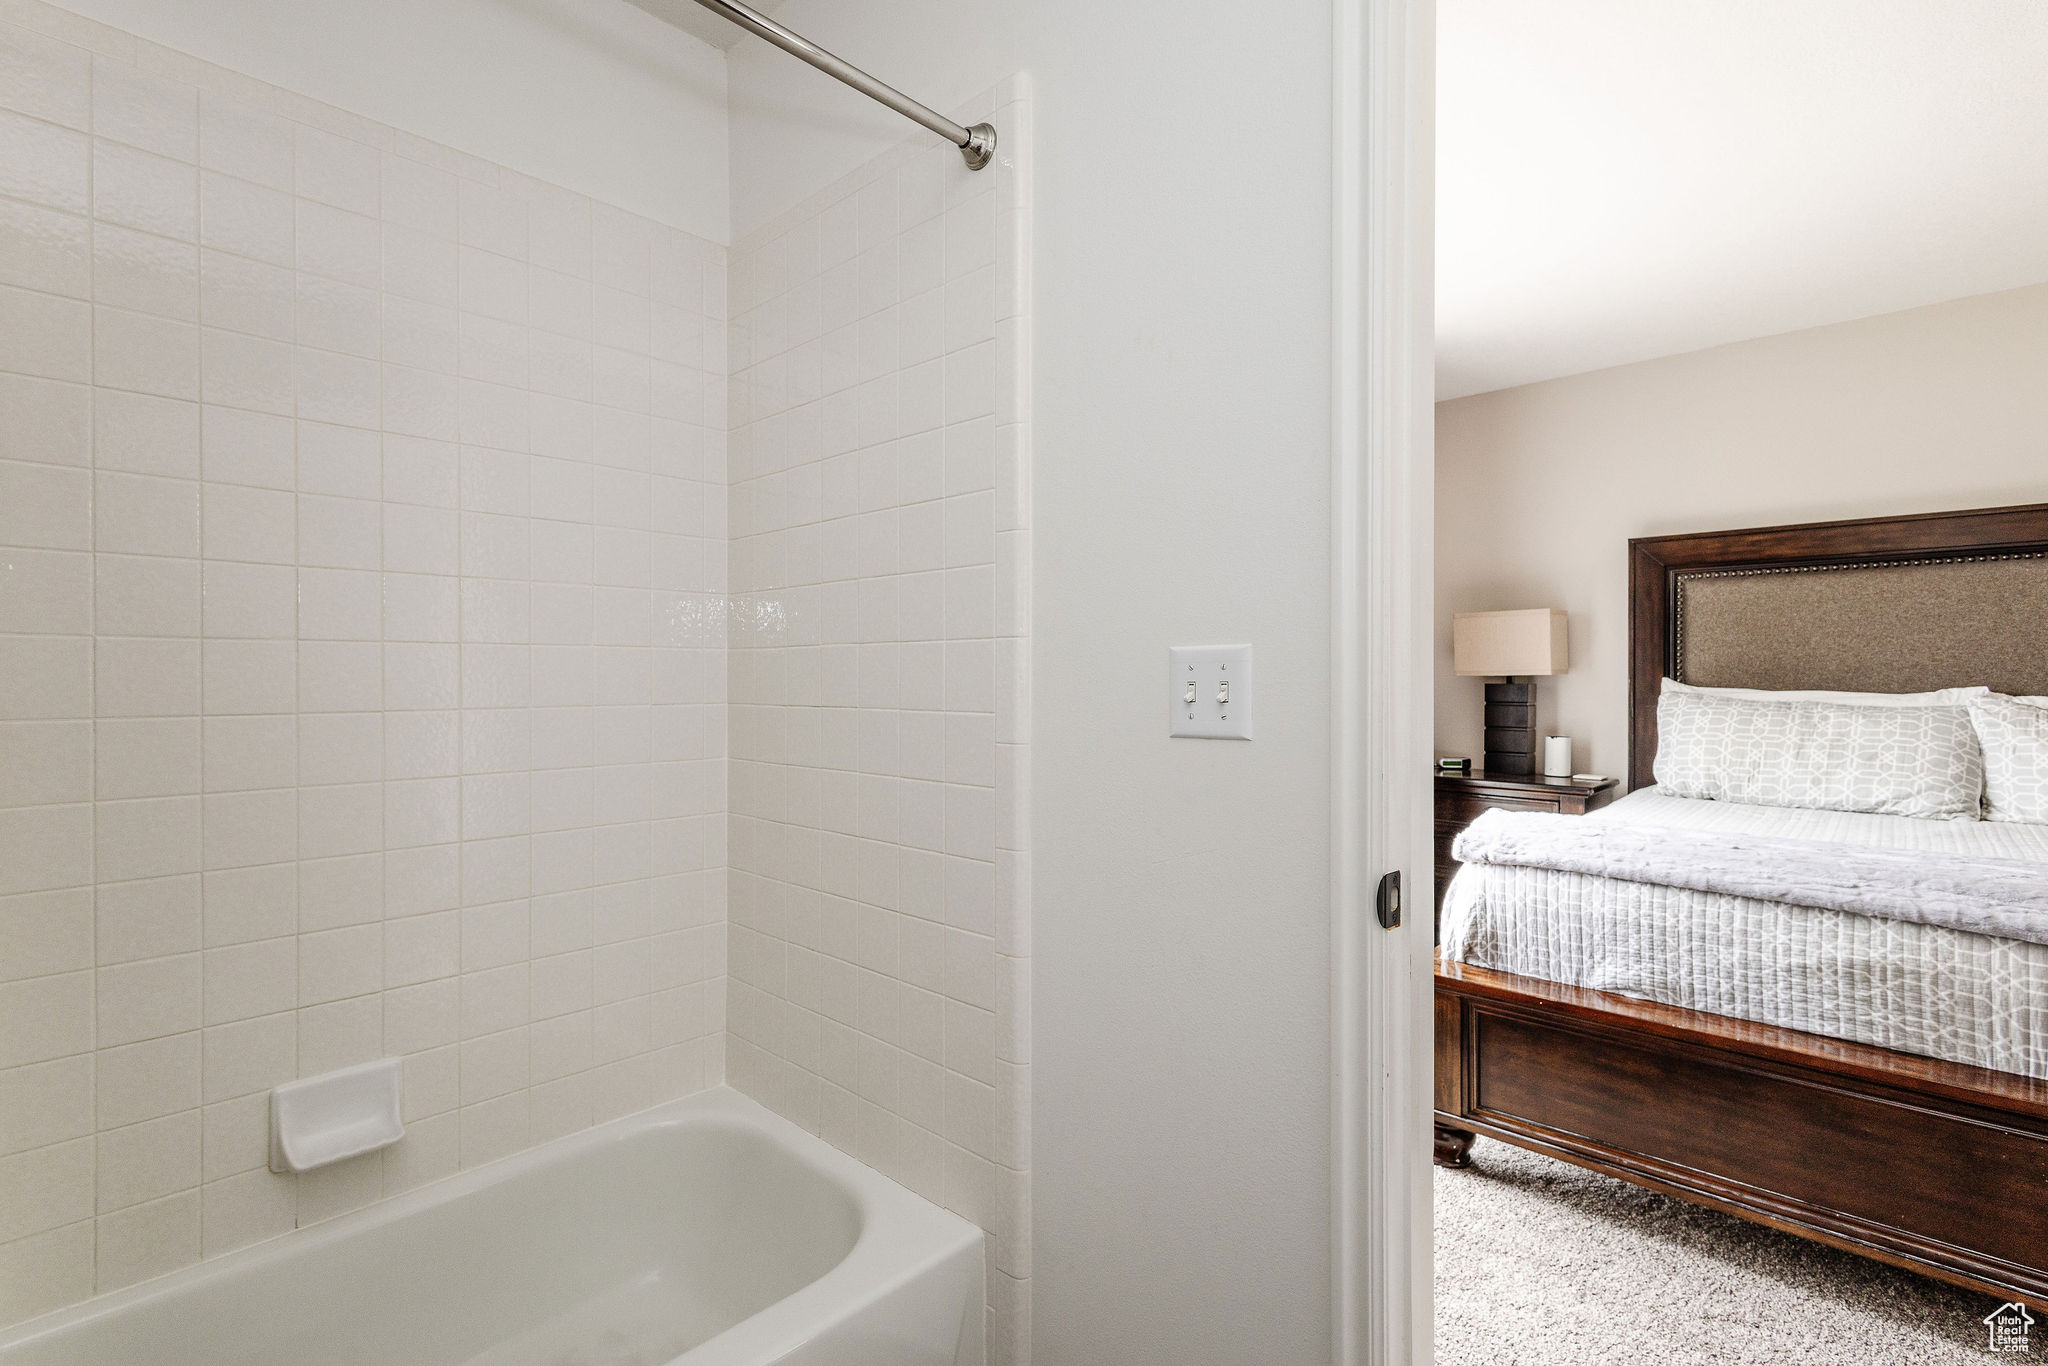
<point>2006,898</point>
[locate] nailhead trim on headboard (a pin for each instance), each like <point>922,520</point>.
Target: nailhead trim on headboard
<point>1681,580</point>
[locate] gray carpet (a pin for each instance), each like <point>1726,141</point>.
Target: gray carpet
<point>1541,1264</point>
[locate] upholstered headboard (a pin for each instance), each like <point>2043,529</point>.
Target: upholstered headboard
<point>1889,604</point>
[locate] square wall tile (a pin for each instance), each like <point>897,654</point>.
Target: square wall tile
<point>363,668</point>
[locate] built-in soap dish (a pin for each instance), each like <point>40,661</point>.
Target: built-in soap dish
<point>335,1116</point>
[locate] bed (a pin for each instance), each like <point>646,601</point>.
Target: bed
<point>1871,1083</point>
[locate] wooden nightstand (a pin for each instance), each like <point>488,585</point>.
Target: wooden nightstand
<point>1460,797</point>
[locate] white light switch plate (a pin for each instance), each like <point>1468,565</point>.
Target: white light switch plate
<point>1221,676</point>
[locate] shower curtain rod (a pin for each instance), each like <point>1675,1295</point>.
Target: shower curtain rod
<point>976,144</point>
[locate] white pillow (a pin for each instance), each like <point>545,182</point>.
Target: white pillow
<point>1941,697</point>
<point>1894,760</point>
<point>2014,734</point>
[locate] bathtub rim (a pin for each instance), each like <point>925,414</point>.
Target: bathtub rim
<point>902,1234</point>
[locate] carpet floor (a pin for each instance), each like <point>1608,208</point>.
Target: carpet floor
<point>1541,1264</point>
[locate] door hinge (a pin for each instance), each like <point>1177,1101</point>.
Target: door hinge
<point>1389,900</point>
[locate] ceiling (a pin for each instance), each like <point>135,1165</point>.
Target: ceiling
<point>1618,180</point>
<point>693,19</point>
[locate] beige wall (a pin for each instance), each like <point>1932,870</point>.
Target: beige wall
<point>1539,488</point>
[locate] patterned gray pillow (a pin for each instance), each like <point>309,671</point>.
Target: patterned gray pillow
<point>2014,734</point>
<point>1900,761</point>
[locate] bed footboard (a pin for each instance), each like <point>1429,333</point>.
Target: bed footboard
<point>1933,1166</point>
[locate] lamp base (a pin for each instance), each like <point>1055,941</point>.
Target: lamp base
<point>1510,729</point>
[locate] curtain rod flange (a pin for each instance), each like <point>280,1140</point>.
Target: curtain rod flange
<point>980,148</point>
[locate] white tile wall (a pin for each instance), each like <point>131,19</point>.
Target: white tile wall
<point>879,448</point>
<point>362,676</point>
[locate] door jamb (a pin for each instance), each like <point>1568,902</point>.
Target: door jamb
<point>1382,650</point>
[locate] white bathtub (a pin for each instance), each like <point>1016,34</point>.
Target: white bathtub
<point>707,1232</point>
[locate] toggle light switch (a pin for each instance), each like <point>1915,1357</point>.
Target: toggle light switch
<point>1210,693</point>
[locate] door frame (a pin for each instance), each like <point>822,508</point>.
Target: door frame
<point>1382,683</point>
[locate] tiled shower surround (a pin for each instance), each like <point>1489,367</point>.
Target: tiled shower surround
<point>879,479</point>
<point>362,670</point>
<point>368,659</point>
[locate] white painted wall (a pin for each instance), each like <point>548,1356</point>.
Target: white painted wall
<point>1540,487</point>
<point>593,95</point>
<point>1181,1192</point>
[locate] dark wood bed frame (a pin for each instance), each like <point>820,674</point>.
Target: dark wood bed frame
<point>1934,1166</point>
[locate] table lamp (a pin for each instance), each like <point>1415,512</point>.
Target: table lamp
<point>1526,645</point>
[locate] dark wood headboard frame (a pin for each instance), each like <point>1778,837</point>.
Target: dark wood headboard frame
<point>1655,562</point>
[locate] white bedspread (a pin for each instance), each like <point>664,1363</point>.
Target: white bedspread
<point>1922,988</point>
<point>2004,897</point>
